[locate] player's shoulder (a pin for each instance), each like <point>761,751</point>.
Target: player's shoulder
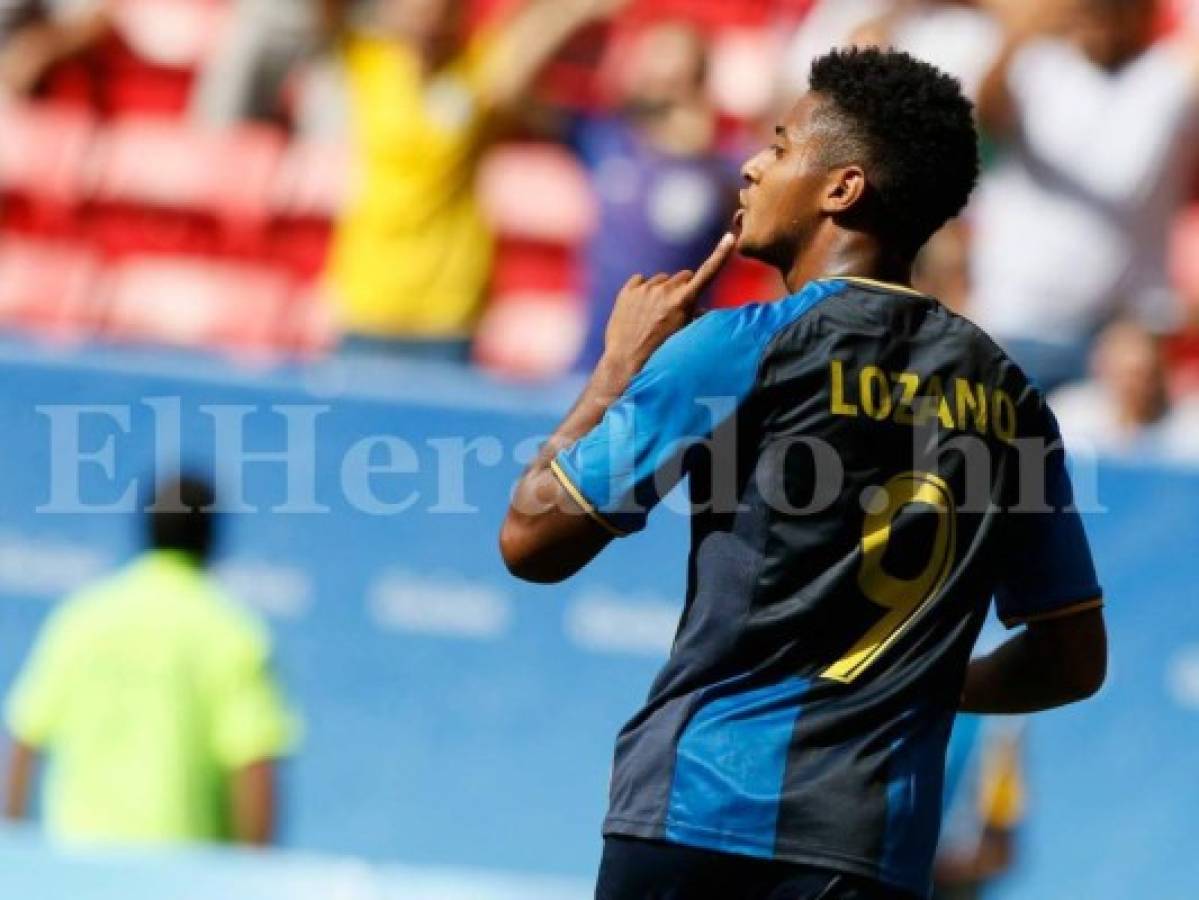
<point>89,612</point>
<point>229,616</point>
<point>998,368</point>
<point>759,323</point>
<point>728,345</point>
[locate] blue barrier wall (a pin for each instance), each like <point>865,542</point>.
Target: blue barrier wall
<point>457,717</point>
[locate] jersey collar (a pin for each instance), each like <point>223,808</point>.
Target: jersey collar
<point>871,282</point>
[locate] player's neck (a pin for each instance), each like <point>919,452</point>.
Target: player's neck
<point>838,253</point>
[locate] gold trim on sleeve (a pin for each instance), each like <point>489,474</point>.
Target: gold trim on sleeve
<point>1056,613</point>
<point>583,502</point>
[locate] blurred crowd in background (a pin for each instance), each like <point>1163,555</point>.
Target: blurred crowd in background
<point>473,181</point>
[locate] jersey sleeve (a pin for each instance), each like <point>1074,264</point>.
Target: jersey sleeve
<point>1047,570</point>
<point>695,382</point>
<point>251,720</point>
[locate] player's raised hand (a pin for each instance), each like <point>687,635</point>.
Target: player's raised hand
<point>648,311</point>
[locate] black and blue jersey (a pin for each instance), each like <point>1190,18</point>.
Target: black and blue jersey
<point>867,470</point>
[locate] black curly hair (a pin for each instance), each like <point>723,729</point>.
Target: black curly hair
<point>909,126</point>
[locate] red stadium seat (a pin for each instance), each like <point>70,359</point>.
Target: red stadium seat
<point>151,68</point>
<point>194,303</point>
<point>42,157</point>
<point>48,288</point>
<point>164,187</point>
<point>522,266</point>
<point>309,190</point>
<point>537,192</point>
<point>530,335</point>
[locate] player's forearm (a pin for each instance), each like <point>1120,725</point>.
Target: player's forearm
<point>254,804</point>
<point>546,537</point>
<point>22,764</point>
<point>551,531</point>
<point>1045,666</point>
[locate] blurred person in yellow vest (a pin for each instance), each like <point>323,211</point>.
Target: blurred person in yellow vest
<point>984,806</point>
<point>151,697</point>
<point>412,255</point>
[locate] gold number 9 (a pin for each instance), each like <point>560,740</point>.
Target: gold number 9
<point>903,598</point>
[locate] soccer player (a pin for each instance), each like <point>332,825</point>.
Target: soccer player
<point>150,694</point>
<point>867,470</point>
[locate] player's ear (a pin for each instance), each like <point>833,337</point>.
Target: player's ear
<point>844,190</point>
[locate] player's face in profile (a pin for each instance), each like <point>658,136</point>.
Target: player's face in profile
<point>781,202</point>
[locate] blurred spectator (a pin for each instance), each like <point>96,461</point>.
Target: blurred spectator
<point>951,34</point>
<point>248,76</point>
<point>1097,126</point>
<point>150,694</point>
<point>35,35</point>
<point>665,194</point>
<point>412,256</point>
<point>1125,410</point>
<point>984,804</point>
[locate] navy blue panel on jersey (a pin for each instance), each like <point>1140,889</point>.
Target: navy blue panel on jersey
<point>695,381</point>
<point>865,445</point>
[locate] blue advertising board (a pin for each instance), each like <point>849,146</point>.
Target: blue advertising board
<point>456,717</point>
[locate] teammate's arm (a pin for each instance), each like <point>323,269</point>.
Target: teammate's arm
<point>548,535</point>
<point>1050,663</point>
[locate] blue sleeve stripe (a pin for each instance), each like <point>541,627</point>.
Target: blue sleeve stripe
<point>1059,613</point>
<point>575,494</point>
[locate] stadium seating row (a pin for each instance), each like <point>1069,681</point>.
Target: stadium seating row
<point>155,185</point>
<point>62,293</point>
<point>138,230</point>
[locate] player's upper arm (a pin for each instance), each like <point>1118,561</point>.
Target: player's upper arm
<point>1074,648</point>
<point>695,383</point>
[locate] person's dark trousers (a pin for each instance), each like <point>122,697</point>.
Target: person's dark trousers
<point>635,869</point>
